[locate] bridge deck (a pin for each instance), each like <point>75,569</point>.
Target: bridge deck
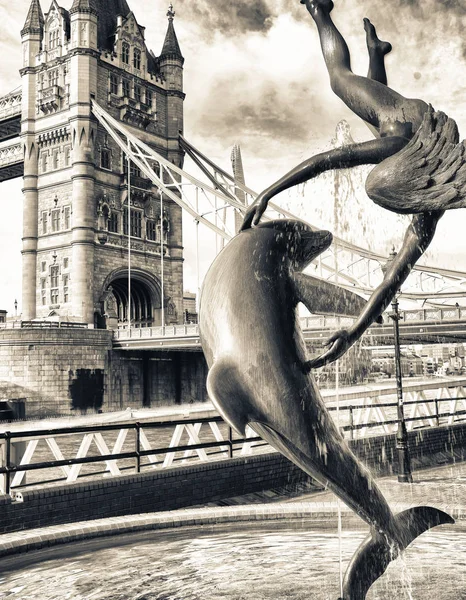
<point>419,326</point>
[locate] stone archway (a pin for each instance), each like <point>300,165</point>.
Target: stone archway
<point>145,299</point>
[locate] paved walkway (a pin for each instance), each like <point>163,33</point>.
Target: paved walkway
<point>442,487</point>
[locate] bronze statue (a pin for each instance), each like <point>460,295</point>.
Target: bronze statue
<point>421,168</point>
<point>259,376</point>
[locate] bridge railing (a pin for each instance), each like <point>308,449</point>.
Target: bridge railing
<point>408,316</point>
<point>142,333</point>
<point>64,454</point>
<point>307,323</point>
<point>10,105</point>
<point>11,154</point>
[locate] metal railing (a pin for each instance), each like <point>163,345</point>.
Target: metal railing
<point>223,446</point>
<point>18,324</point>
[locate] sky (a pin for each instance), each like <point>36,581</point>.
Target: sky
<point>254,75</point>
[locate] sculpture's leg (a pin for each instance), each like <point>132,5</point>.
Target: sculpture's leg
<point>377,50</point>
<point>371,100</point>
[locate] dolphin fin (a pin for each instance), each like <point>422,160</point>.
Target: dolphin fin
<point>373,556</point>
<point>324,298</point>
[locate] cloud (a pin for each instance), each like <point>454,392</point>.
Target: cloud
<point>229,18</point>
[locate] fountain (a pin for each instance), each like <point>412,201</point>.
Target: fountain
<point>260,376</point>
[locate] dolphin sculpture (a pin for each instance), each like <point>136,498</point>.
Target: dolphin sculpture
<point>259,376</point>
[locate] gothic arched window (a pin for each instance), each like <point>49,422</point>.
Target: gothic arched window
<point>125,53</point>
<point>137,59</point>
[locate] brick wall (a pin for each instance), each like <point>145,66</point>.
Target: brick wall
<point>49,367</point>
<point>42,365</point>
<point>189,486</point>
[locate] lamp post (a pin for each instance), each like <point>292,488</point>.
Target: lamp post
<point>16,307</point>
<point>402,446</point>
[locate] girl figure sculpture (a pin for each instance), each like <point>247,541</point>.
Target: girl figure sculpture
<point>421,166</point>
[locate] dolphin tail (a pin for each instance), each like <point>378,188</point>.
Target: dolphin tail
<point>373,556</point>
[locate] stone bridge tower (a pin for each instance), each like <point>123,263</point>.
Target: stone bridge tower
<point>76,213</point>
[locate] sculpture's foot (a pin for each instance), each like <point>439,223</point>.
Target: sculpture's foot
<point>373,43</point>
<point>316,6</point>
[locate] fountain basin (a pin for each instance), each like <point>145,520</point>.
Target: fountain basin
<point>292,559</point>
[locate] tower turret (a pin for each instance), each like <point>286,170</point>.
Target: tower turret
<point>83,86</point>
<point>171,66</point>
<point>31,38</point>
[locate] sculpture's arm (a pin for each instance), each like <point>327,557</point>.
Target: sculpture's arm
<point>353,155</point>
<point>416,240</point>
<point>325,298</point>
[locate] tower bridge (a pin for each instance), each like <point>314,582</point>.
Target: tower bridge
<point>96,132</point>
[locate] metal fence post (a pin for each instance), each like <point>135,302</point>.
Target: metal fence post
<point>437,412</point>
<point>351,422</point>
<point>230,442</point>
<point>7,461</point>
<point>138,447</point>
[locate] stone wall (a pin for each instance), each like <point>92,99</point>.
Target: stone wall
<point>58,370</point>
<point>54,369</point>
<point>207,482</point>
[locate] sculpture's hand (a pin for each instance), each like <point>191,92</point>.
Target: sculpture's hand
<point>255,211</point>
<point>339,343</point>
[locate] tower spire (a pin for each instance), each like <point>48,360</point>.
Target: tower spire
<point>238,174</point>
<point>35,19</point>
<point>87,6</point>
<point>171,47</point>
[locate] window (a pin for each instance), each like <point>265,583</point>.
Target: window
<point>149,97</point>
<point>45,162</point>
<point>44,230</point>
<point>125,53</point>
<point>137,93</point>
<point>53,39</point>
<point>136,223</point>
<point>67,212</point>
<point>56,162</point>
<point>137,59</point>
<point>66,262</point>
<point>43,266</point>
<point>54,276</point>
<point>43,294</point>
<point>43,283</point>
<point>105,158</point>
<point>53,77</point>
<point>54,284</point>
<point>66,283</point>
<point>134,170</point>
<point>125,87</point>
<point>151,230</point>
<point>67,156</point>
<point>113,222</point>
<point>113,84</point>
<point>56,220</point>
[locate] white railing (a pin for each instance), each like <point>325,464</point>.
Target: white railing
<point>10,105</point>
<point>147,333</point>
<point>11,154</point>
<point>307,323</point>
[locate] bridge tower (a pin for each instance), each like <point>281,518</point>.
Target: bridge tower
<point>83,206</point>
